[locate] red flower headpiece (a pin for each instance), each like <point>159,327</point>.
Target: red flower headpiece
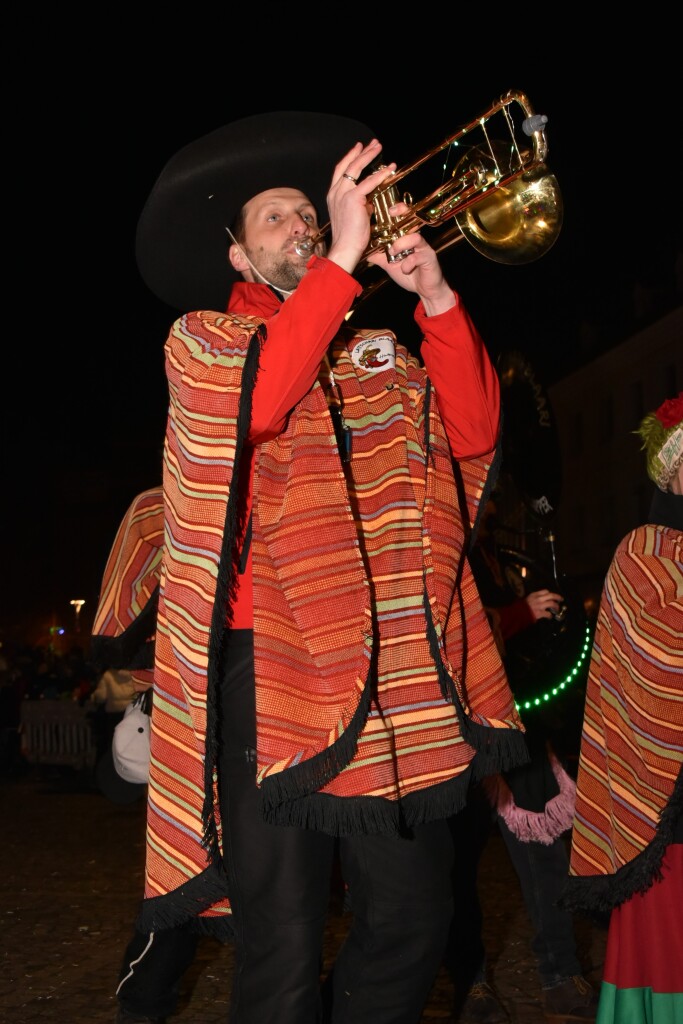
<point>670,413</point>
<point>662,435</point>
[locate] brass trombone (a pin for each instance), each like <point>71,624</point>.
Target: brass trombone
<point>498,195</point>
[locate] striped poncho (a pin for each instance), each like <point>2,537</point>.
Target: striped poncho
<point>379,689</point>
<point>629,786</point>
<point>125,619</point>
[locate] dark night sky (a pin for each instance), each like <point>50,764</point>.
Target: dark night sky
<point>85,435</point>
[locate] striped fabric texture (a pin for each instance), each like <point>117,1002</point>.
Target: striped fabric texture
<point>629,779</point>
<point>124,621</point>
<point>379,689</point>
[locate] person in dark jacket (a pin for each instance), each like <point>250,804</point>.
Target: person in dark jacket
<point>533,807</point>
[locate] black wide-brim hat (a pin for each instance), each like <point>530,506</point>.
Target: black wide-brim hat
<point>182,243</point>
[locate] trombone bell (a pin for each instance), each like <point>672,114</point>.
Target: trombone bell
<point>497,195</point>
<point>514,223</point>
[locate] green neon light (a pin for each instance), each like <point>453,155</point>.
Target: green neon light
<point>571,676</point>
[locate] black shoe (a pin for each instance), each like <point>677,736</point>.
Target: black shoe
<point>573,999</point>
<point>482,1006</point>
<point>123,1017</point>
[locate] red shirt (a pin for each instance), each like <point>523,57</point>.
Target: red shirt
<point>299,332</point>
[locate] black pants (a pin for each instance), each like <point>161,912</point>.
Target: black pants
<point>152,970</point>
<point>542,871</point>
<point>399,891</point>
<point>280,877</point>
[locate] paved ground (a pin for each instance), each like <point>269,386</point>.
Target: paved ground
<point>71,876</point>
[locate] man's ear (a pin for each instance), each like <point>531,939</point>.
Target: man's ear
<point>237,258</point>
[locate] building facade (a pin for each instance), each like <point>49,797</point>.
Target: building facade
<point>605,490</point>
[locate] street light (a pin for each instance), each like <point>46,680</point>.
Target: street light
<point>78,603</point>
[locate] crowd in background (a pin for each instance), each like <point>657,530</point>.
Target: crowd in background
<point>40,673</point>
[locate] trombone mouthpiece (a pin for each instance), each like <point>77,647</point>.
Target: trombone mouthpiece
<point>304,247</point>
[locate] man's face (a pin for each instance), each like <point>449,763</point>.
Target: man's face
<point>274,222</point>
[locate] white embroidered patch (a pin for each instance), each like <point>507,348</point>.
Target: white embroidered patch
<point>668,458</point>
<point>375,354</point>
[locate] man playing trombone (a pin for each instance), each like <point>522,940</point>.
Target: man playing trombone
<point>324,670</point>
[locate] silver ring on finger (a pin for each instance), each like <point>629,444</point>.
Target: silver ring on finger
<point>350,177</point>
<point>398,256</point>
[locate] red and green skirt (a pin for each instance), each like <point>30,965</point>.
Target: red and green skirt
<point>643,974</point>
